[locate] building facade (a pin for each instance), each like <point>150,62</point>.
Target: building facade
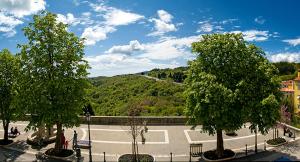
<point>291,89</point>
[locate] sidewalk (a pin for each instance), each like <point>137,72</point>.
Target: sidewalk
<point>290,150</point>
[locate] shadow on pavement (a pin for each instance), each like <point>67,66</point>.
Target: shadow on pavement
<point>267,156</point>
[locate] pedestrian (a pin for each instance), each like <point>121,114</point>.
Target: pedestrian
<point>16,131</point>
<point>66,144</point>
<point>74,140</point>
<point>12,130</point>
<point>63,139</point>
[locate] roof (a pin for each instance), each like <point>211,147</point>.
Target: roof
<point>286,90</point>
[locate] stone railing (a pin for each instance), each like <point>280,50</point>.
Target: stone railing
<point>123,120</point>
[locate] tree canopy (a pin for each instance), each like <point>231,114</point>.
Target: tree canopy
<point>229,83</point>
<point>54,74</point>
<point>9,70</point>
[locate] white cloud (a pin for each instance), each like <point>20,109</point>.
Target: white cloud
<point>164,15</point>
<point>86,14</point>
<point>169,48</point>
<point>208,26</point>
<point>21,8</point>
<point>8,24</point>
<point>127,49</point>
<point>113,17</point>
<point>161,54</point>
<point>293,42</point>
<point>228,21</point>
<point>285,57</point>
<point>254,35</point>
<point>69,19</point>
<point>259,20</point>
<point>163,24</point>
<point>85,19</point>
<point>12,11</point>
<point>8,31</point>
<point>95,34</point>
<point>205,27</point>
<point>9,20</point>
<point>116,17</point>
<point>165,49</point>
<point>115,64</point>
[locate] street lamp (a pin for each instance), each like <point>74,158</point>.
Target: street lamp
<point>88,118</point>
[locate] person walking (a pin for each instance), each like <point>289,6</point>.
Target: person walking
<point>66,144</point>
<point>63,139</point>
<point>74,144</point>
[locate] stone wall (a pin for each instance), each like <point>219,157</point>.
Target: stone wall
<point>123,120</point>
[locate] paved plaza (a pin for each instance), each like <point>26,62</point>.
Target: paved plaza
<point>160,142</point>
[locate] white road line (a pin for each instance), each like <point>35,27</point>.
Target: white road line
<point>208,141</point>
<point>124,142</point>
<point>117,155</point>
<point>122,130</point>
<point>187,136</point>
<point>242,148</point>
<point>166,136</point>
<point>84,134</point>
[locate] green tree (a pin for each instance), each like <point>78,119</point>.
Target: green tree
<point>9,69</point>
<point>54,74</point>
<point>229,83</point>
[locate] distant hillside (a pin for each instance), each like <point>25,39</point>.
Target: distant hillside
<point>112,95</point>
<point>287,71</point>
<point>176,75</point>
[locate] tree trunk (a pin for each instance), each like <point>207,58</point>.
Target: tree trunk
<point>41,132</point>
<point>5,127</point>
<point>58,145</point>
<point>137,152</point>
<point>255,140</point>
<point>220,145</point>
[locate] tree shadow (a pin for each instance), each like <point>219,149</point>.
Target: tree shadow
<point>269,155</point>
<point>290,147</point>
<point>20,145</point>
<point>10,155</point>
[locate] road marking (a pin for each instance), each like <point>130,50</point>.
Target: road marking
<point>123,142</point>
<point>187,136</point>
<point>243,148</point>
<point>166,136</point>
<point>118,155</point>
<point>208,141</point>
<point>122,130</point>
<point>84,134</point>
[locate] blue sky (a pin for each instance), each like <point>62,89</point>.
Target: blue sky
<point>129,36</point>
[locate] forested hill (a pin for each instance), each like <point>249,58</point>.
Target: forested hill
<point>113,95</point>
<point>176,75</point>
<point>286,71</point>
